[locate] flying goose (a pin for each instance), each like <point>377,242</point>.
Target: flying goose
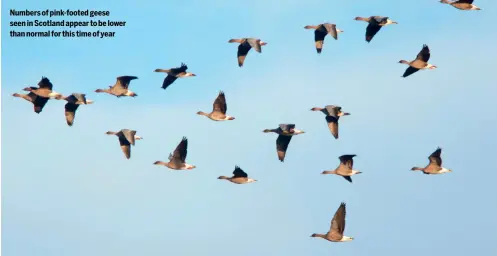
<point>44,89</point>
<point>120,88</point>
<point>245,45</point>
<point>173,74</point>
<point>73,102</point>
<point>375,24</point>
<point>333,113</point>
<point>239,176</point>
<point>285,133</point>
<point>218,109</point>
<point>435,165</point>
<point>320,32</point>
<point>421,62</point>
<point>464,5</point>
<point>345,169</point>
<point>177,159</point>
<point>37,101</point>
<point>337,227</point>
<point>126,138</point>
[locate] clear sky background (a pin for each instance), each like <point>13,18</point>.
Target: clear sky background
<point>70,191</point>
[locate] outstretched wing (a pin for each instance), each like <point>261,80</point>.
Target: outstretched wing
<point>282,143</point>
<point>181,150</point>
<point>255,43</point>
<point>409,71</point>
<point>424,54</point>
<point>338,223</point>
<point>371,30</point>
<point>435,157</point>
<point>220,103</point>
<point>124,81</point>
<point>238,172</point>
<point>331,29</point>
<point>243,50</point>
<point>319,35</point>
<point>45,83</point>
<point>168,81</point>
<point>70,112</point>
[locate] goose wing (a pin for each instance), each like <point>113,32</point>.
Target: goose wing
<point>70,112</point>
<point>220,103</point>
<point>371,30</point>
<point>287,128</point>
<point>282,143</point>
<point>123,81</point>
<point>424,54</point>
<point>38,102</point>
<point>255,43</point>
<point>332,119</point>
<point>180,69</point>
<point>332,30</point>
<point>79,97</point>
<point>243,50</point>
<point>168,81</point>
<point>181,150</point>
<point>239,173</point>
<point>125,146</point>
<point>319,35</point>
<point>45,83</point>
<point>435,157</point>
<point>409,71</point>
<point>337,224</point>
<point>129,135</point>
<point>464,2</point>
<point>347,160</point>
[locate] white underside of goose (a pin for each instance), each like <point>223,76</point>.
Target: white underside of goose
<point>129,93</point>
<point>346,239</point>
<point>444,170</point>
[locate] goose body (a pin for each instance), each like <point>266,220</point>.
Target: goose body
<point>177,160</point>
<point>245,45</point>
<point>320,32</point>
<point>285,133</point>
<point>375,24</point>
<point>173,74</point>
<point>45,89</point>
<point>219,109</point>
<point>126,139</point>
<point>345,169</point>
<point>465,5</point>
<point>73,102</point>
<point>333,113</point>
<point>337,227</point>
<point>239,177</point>
<point>435,164</point>
<point>120,88</point>
<point>420,63</point>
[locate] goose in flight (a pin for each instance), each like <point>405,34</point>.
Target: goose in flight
<point>245,45</point>
<point>421,62</point>
<point>120,88</point>
<point>335,234</point>
<point>333,113</point>
<point>320,32</point>
<point>375,24</point>
<point>285,133</point>
<point>435,165</point>
<point>177,160</point>
<point>465,5</point>
<point>73,102</point>
<point>218,109</point>
<point>45,89</point>
<point>126,138</point>
<point>37,101</point>
<point>173,74</point>
<point>345,169</point>
<point>239,177</point>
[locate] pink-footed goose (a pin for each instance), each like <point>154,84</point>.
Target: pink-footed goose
<point>177,160</point>
<point>73,102</point>
<point>120,88</point>
<point>285,133</point>
<point>219,109</point>
<point>37,101</point>
<point>375,24</point>
<point>346,168</point>
<point>335,234</point>
<point>465,5</point>
<point>333,113</point>
<point>320,32</point>
<point>239,177</point>
<point>45,89</point>
<point>126,137</point>
<point>421,62</point>
<point>435,165</point>
<point>173,74</point>
<point>245,45</point>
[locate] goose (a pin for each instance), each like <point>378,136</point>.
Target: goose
<point>320,32</point>
<point>126,138</point>
<point>245,45</point>
<point>465,5</point>
<point>337,227</point>
<point>375,24</point>
<point>435,165</point>
<point>120,88</point>
<point>177,159</point>
<point>333,113</point>
<point>73,102</point>
<point>173,74</point>
<point>285,133</point>
<point>421,62</point>
<point>345,169</point>
<point>218,109</point>
<point>44,89</point>
<point>37,101</point>
<point>239,177</point>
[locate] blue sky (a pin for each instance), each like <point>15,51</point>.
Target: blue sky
<point>70,191</point>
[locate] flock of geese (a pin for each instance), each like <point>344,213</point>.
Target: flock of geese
<point>40,95</point>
